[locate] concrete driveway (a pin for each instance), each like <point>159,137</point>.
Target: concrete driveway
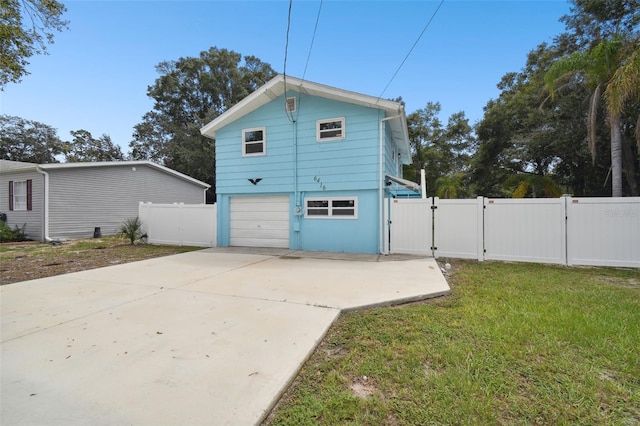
<point>211,337</point>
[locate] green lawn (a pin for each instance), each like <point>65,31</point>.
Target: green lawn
<point>513,344</point>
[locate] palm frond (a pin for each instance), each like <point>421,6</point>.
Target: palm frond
<point>624,85</point>
<point>564,68</point>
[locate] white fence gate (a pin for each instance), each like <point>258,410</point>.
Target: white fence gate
<point>411,226</point>
<point>179,224</point>
<point>568,231</point>
<point>525,230</point>
<point>458,228</point>
<point>603,231</point>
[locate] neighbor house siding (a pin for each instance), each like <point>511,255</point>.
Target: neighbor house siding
<point>31,219</point>
<point>83,198</point>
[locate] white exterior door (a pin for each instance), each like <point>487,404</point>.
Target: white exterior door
<point>259,221</point>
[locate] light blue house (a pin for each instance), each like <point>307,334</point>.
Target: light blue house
<point>304,166</point>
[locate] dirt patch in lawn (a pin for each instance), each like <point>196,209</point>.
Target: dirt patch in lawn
<point>31,260</point>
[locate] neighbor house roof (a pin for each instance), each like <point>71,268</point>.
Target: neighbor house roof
<point>6,166</point>
<point>280,84</point>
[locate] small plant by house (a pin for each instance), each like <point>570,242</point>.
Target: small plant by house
<point>9,235</point>
<point>131,229</point>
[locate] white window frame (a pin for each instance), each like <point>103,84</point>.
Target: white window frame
<point>20,197</point>
<point>330,208</point>
<point>263,142</point>
<point>331,138</point>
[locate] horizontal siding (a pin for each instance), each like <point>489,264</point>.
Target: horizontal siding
<point>343,235</point>
<point>84,198</point>
<point>351,163</point>
<point>33,219</point>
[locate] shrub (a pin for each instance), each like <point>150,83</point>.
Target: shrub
<point>131,229</point>
<point>7,234</point>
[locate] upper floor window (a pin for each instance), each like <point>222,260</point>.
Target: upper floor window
<point>254,141</point>
<point>330,129</point>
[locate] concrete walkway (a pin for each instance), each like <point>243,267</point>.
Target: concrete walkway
<point>212,337</point>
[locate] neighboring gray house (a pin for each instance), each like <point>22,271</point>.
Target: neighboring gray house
<point>71,200</point>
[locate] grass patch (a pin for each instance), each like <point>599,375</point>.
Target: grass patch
<point>25,261</point>
<point>514,343</point>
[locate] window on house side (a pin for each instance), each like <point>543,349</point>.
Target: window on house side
<point>20,195</point>
<point>336,208</point>
<point>254,141</point>
<point>330,129</point>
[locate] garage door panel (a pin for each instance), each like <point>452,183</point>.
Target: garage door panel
<point>261,221</point>
<point>252,217</point>
<point>262,225</point>
<point>266,207</point>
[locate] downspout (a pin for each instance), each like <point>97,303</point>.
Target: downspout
<point>296,226</point>
<point>381,185</point>
<point>46,204</point>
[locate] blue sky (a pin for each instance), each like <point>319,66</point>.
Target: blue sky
<point>96,75</point>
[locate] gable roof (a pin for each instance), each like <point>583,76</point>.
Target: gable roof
<point>280,84</point>
<point>7,166</point>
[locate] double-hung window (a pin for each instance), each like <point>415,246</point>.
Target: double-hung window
<point>330,129</point>
<point>331,208</point>
<point>20,195</point>
<point>254,141</point>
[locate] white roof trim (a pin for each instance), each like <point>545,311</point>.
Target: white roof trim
<point>276,87</point>
<point>58,166</point>
<point>406,183</point>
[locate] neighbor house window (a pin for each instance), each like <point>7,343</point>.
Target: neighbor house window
<point>254,141</point>
<point>336,208</point>
<point>330,129</point>
<point>20,195</point>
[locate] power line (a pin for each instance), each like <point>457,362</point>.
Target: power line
<point>286,45</point>
<point>412,47</point>
<point>312,39</point>
<point>284,68</point>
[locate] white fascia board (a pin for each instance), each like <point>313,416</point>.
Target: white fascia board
<point>59,166</point>
<point>276,87</point>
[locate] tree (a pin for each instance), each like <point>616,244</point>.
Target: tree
<point>592,21</point>
<point>598,66</point>
<point>189,93</point>
<point>444,152</point>
<point>26,29</point>
<point>85,148</point>
<point>28,141</point>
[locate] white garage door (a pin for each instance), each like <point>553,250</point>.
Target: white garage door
<point>260,221</point>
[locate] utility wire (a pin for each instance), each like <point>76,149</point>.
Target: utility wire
<point>412,47</point>
<point>284,70</point>
<point>312,39</point>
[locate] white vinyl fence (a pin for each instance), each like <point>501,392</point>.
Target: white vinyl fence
<point>567,231</point>
<point>179,224</point>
